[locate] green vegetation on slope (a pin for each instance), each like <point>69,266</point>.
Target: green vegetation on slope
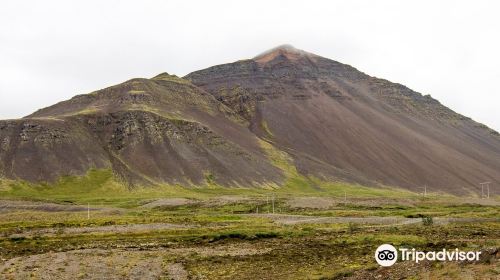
<point>100,186</point>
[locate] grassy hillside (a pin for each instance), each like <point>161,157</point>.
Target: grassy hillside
<point>100,186</point>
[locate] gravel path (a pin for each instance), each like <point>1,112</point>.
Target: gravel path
<point>301,219</point>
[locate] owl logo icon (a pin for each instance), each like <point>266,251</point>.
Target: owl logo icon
<point>386,255</point>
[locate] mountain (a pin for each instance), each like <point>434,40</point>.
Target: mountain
<point>338,122</point>
<point>226,124</point>
<point>148,131</point>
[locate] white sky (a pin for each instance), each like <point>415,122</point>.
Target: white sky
<point>53,50</point>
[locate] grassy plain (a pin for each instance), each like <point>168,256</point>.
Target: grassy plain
<point>93,227</point>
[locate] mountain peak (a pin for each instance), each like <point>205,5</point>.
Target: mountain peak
<point>284,47</point>
<point>287,51</point>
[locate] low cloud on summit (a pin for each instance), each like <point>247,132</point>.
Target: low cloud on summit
<point>53,50</point>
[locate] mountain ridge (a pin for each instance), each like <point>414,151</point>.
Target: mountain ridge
<point>333,121</point>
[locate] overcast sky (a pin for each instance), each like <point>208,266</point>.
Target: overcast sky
<point>53,50</point>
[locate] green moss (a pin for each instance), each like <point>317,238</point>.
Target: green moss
<point>86,111</point>
<point>210,178</point>
<point>265,127</point>
<point>97,186</point>
<point>171,78</point>
<point>296,183</point>
<point>136,92</point>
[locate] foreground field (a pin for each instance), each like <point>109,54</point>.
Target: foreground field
<point>92,227</point>
<point>201,235</point>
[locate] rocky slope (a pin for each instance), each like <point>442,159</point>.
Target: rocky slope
<point>333,121</point>
<point>148,131</point>
<point>338,122</point>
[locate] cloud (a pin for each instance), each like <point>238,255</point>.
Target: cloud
<point>53,50</point>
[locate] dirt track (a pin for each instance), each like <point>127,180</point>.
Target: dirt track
<point>300,219</point>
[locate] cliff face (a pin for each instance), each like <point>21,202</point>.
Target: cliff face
<point>331,120</point>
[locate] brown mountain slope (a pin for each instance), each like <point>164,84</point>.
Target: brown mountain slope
<point>334,121</point>
<point>149,131</point>
<point>338,122</point>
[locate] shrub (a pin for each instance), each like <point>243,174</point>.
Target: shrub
<point>260,235</point>
<point>427,221</point>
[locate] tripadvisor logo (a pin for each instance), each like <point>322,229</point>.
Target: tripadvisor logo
<point>387,255</point>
